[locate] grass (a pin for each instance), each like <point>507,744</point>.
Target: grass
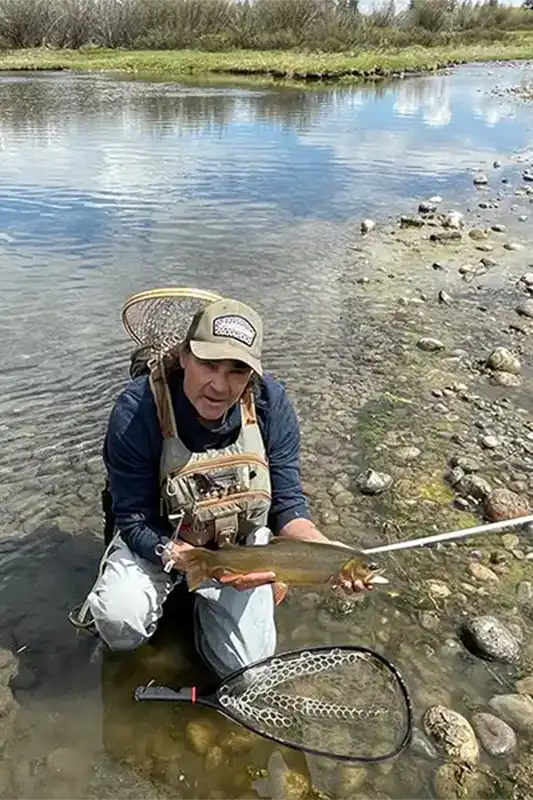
<point>274,63</point>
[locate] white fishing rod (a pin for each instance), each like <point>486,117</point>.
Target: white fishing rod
<point>491,527</point>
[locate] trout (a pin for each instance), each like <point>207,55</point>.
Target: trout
<point>293,561</point>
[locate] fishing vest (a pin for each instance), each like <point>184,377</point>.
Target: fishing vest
<point>218,495</point>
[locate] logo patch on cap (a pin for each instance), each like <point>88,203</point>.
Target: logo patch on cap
<point>233,326</point>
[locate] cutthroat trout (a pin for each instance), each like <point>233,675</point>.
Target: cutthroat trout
<point>293,561</point>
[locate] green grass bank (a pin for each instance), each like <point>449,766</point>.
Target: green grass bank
<point>384,62</point>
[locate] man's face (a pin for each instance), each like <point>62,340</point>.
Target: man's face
<point>213,386</point>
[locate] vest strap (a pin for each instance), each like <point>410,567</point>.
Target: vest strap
<point>162,399</point>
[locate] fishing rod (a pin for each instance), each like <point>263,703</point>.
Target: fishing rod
<point>491,527</point>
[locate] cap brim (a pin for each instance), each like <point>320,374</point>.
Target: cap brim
<point>218,351</point>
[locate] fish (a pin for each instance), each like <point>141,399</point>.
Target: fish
<point>294,561</point>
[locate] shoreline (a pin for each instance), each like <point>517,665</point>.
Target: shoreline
<point>276,66</point>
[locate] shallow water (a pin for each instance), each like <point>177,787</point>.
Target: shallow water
<point>109,186</point>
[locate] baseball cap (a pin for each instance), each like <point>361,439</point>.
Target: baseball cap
<point>228,329</point>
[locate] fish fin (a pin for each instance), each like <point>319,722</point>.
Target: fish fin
<point>198,563</point>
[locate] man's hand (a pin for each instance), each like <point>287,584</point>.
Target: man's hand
<point>304,530</point>
<point>174,554</point>
<point>250,580</point>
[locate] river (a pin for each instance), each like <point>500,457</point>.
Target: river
<point>110,185</point>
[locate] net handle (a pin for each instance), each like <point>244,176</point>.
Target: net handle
<point>179,292</point>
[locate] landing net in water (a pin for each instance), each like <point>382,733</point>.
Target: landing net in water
<point>341,700</point>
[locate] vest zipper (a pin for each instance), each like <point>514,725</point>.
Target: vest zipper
<point>219,501</point>
<point>221,461</point>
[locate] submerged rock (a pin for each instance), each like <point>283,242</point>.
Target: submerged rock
<point>429,345</point>
<point>495,735</point>
<point>411,222</point>
<point>421,745</point>
<point>505,504</point>
<point>503,360</point>
<point>480,180</point>
<point>445,236</point>
<point>461,782</point>
<point>201,734</point>
<point>505,379</point>
<point>525,308</point>
<point>452,733</point>
<point>488,638</point>
<point>525,685</point>
<point>516,709</point>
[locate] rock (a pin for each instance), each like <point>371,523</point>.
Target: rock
<point>474,486</point>
<point>525,308</point>
<point>527,278</point>
<point>429,620</point>
<point>407,453</point>
<point>444,298</point>
<point>454,476</point>
<point>351,779</point>
<point>515,709</point>
<point>499,228</point>
<point>453,219</point>
<point>478,234</point>
<point>503,360</point>
<point>461,782</point>
<point>480,180</point>
<point>496,165</point>
<point>484,247</point>
<point>429,345</point>
<point>329,517</point>
<point>445,236</point>
<point>372,482</point>
<point>527,176</point>
<point>465,463</point>
<point>510,541</point>
<point>525,685</point>
<point>437,589</point>
<point>201,734</point>
<point>495,735</point>
<point>488,638</point>
<point>489,442</point>
<point>411,222</point>
<point>513,246</point>
<point>488,262</point>
<point>427,208</point>
<point>367,225</point>
<point>504,504</point>
<point>452,733</point>
<point>524,593</point>
<point>438,265</point>
<point>481,572</point>
<point>343,499</point>
<point>505,379</point>
<point>281,782</point>
<point>214,758</point>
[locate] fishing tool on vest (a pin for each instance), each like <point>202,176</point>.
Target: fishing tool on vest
<point>344,702</point>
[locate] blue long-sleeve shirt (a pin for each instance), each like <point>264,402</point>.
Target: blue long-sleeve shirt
<point>132,451</point>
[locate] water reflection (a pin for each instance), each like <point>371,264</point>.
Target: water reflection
<point>111,186</point>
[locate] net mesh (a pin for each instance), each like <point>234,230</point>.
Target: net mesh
<point>161,321</point>
<point>341,701</point>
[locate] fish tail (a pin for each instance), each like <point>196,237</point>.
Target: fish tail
<point>198,566</point>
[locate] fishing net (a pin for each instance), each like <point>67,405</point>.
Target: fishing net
<point>160,318</point>
<point>344,701</point>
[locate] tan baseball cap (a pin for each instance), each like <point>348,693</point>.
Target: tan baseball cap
<point>228,329</point>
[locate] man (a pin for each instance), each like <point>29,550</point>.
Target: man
<point>205,449</point>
